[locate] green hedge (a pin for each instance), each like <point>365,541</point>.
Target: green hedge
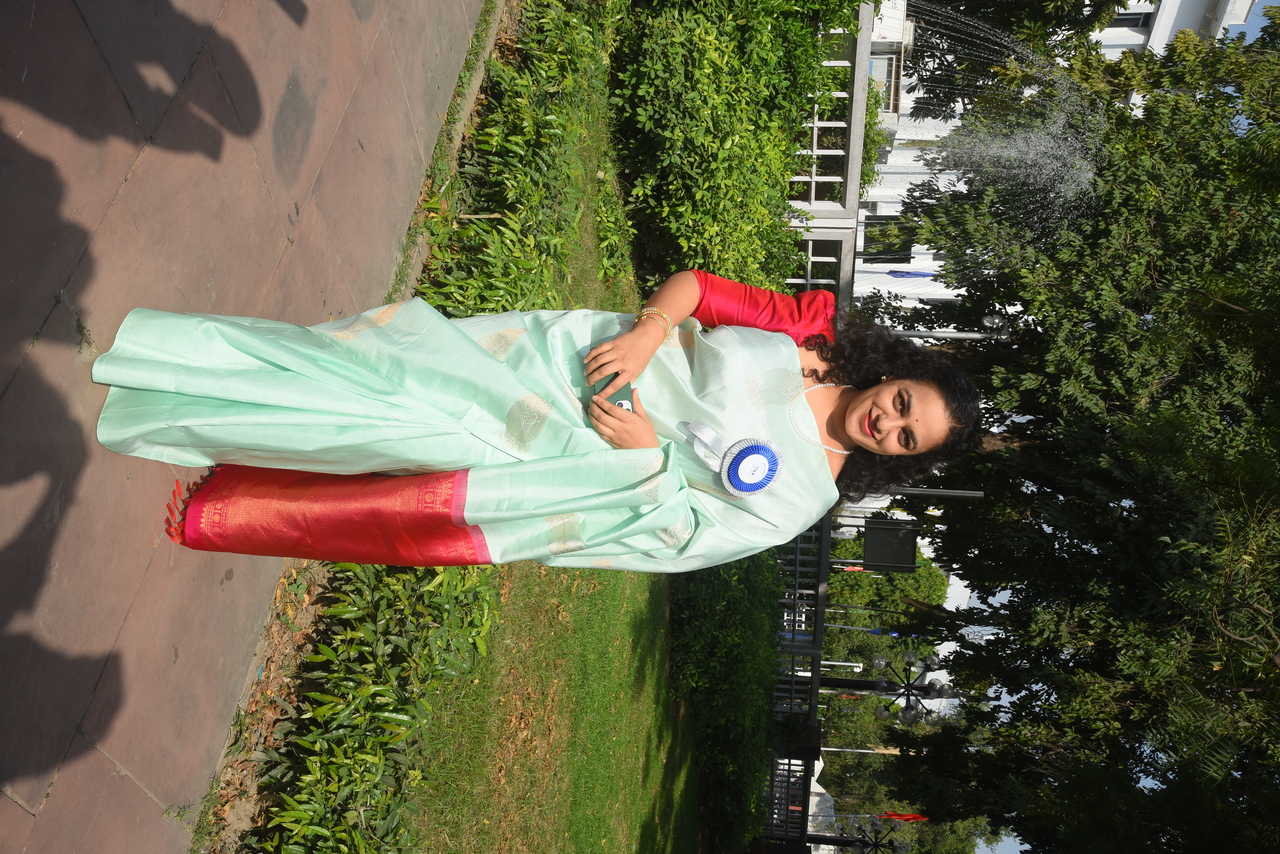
<point>725,624</point>
<point>709,99</point>
<point>538,129</point>
<point>340,780</point>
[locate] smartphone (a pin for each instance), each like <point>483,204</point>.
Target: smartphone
<point>620,398</point>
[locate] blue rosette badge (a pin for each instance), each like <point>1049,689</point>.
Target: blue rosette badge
<point>746,467</point>
<point>749,466</point>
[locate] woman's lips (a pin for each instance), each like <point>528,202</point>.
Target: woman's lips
<point>866,425</point>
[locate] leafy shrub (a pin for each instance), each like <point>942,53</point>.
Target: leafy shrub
<point>707,165</point>
<point>874,138</point>
<point>519,170</point>
<point>780,41</point>
<point>725,624</point>
<point>709,98</point>
<point>342,777</point>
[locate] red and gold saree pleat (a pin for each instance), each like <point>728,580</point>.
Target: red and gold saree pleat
<point>414,520</point>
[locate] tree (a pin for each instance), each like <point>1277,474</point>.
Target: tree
<point>1131,516</point>
<point>961,44</point>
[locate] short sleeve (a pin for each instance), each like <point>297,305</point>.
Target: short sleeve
<point>724,302</point>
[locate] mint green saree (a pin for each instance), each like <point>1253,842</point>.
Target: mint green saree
<point>402,390</point>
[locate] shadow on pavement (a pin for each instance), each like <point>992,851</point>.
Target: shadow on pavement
<point>71,61</point>
<point>44,450</point>
<point>149,48</point>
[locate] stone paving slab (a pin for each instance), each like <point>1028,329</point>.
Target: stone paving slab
<point>100,809</point>
<point>374,156</point>
<point>187,233</point>
<point>149,47</point>
<point>304,75</point>
<point>308,278</point>
<point>255,157</point>
<point>420,43</point>
<point>16,825</point>
<point>192,626</point>
<point>62,613</point>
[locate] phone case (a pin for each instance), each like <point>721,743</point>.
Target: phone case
<point>621,397</point>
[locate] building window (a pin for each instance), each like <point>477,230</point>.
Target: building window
<point>884,241</point>
<point>869,207</point>
<point>884,77</point>
<point>1131,20</point>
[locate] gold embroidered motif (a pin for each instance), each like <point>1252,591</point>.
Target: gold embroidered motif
<point>525,420</point>
<point>602,563</point>
<point>777,387</point>
<point>650,488</point>
<point>564,534</point>
<point>500,343</point>
<point>678,337</point>
<point>363,322</point>
<point>711,490</point>
<point>675,535</point>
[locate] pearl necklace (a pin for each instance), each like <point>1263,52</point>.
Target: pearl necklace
<point>791,413</point>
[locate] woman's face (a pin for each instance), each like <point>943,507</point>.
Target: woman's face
<point>898,417</point>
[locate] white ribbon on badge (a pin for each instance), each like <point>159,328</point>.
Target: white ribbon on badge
<point>746,467</point>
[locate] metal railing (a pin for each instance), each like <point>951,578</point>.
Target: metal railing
<point>787,799</point>
<point>803,564</point>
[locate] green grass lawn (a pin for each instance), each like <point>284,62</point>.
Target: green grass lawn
<point>565,738</point>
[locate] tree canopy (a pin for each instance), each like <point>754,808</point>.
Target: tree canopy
<point>1129,544</point>
<point>959,44</point>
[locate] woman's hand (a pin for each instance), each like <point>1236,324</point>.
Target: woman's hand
<point>620,428</point>
<point>627,356</point>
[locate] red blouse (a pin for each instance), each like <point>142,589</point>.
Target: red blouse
<point>724,302</point>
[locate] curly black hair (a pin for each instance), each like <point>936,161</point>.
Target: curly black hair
<point>861,356</point>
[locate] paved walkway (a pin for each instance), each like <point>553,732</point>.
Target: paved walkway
<point>256,157</point>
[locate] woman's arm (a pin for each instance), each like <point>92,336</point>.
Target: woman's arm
<point>724,302</point>
<point>629,354</point>
<point>714,301</point>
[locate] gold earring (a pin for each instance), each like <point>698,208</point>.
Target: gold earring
<point>884,379</point>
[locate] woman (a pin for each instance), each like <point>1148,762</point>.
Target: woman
<point>736,444</point>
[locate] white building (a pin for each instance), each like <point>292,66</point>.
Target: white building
<point>844,241</point>
<point>1151,26</point>
<point>840,255</point>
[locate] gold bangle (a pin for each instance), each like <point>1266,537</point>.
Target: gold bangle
<point>659,318</point>
<point>657,313</point>
<point>648,309</point>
